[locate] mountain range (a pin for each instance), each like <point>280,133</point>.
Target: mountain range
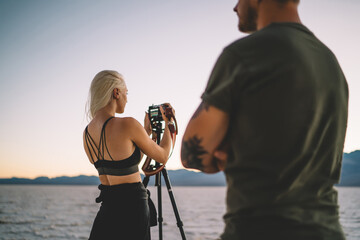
<point>350,172</point>
<point>180,177</point>
<point>350,176</point>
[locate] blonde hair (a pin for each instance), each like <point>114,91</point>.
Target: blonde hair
<point>101,90</point>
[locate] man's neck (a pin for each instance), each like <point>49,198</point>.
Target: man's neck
<point>271,11</point>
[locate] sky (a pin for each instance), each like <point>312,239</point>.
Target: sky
<point>51,50</point>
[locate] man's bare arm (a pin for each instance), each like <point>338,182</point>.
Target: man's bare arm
<point>203,135</point>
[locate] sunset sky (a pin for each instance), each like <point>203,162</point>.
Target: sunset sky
<point>51,50</point>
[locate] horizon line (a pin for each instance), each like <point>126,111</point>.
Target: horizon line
<point>83,174</point>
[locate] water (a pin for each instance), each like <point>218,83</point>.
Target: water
<point>66,212</point>
<point>349,201</point>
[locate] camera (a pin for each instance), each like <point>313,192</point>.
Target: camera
<point>155,116</point>
<point>155,113</point>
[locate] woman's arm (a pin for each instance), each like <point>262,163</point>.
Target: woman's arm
<point>140,137</point>
<point>147,127</point>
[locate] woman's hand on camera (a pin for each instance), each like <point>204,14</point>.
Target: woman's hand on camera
<point>147,124</point>
<point>168,105</point>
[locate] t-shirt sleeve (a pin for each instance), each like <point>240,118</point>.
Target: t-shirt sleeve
<point>221,88</point>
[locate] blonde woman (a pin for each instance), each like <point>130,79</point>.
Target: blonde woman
<point>114,145</point>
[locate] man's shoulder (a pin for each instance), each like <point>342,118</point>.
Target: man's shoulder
<point>251,42</point>
<point>241,43</point>
<point>278,39</point>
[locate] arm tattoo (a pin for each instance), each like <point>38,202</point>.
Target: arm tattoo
<point>191,153</point>
<point>203,105</point>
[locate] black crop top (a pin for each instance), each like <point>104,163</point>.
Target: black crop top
<point>111,167</point>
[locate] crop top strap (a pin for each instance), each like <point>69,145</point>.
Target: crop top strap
<point>102,142</point>
<point>91,143</point>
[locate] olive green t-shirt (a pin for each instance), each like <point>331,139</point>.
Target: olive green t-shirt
<point>287,99</point>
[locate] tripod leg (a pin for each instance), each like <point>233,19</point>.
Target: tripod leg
<point>160,218</point>
<point>172,198</point>
<point>145,183</point>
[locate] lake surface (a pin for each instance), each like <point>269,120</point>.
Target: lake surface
<point>66,212</point>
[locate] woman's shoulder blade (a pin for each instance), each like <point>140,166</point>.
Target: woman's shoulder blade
<point>126,122</point>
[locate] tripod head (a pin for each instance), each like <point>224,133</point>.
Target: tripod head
<point>156,120</point>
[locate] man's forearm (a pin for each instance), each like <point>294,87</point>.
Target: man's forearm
<point>194,155</point>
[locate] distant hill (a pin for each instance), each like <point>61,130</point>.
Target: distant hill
<point>350,176</point>
<point>177,178</point>
<point>350,173</point>
<point>79,180</point>
<point>184,177</point>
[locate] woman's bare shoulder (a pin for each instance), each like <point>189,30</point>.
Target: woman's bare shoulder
<point>127,122</point>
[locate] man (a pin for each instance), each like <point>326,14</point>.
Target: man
<point>273,117</point>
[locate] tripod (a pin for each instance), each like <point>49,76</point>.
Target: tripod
<point>163,172</point>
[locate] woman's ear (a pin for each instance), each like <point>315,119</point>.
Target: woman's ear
<point>116,93</point>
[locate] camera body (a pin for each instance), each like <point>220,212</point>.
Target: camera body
<point>155,113</point>
<point>155,116</point>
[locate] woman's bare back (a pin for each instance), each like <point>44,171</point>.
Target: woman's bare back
<point>118,143</point>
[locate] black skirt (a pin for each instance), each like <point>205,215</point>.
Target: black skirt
<point>123,214</point>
